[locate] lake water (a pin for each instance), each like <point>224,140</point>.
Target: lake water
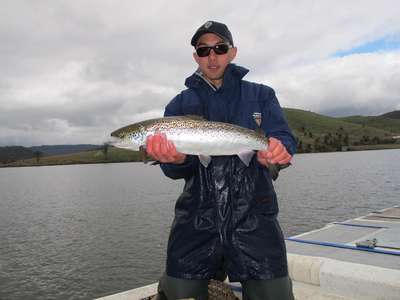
<point>84,231</point>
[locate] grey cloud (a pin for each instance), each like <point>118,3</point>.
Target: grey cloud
<point>362,83</point>
<point>95,116</point>
<point>344,111</point>
<point>83,68</point>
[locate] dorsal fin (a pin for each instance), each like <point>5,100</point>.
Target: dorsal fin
<point>194,117</point>
<point>260,131</point>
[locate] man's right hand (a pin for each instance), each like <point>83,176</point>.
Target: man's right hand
<point>162,150</point>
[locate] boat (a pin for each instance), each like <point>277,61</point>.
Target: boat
<point>358,259</point>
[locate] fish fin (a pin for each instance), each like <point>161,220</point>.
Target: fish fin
<point>143,154</point>
<point>194,117</point>
<point>275,168</point>
<point>259,130</point>
<point>205,160</point>
<point>246,157</point>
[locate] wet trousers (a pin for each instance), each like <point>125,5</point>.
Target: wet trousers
<point>171,288</point>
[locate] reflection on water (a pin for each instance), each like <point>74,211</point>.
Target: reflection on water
<point>83,231</point>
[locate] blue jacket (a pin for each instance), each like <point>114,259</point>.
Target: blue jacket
<point>226,216</point>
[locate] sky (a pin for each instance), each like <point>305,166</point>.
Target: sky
<point>73,71</point>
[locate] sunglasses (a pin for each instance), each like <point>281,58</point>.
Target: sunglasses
<point>219,49</point>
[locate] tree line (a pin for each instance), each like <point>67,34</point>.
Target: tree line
<point>334,141</point>
<point>10,154</point>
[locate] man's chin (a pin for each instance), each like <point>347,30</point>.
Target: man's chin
<point>214,76</point>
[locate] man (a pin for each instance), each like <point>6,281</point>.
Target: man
<point>226,217</point>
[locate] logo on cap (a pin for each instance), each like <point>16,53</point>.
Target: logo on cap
<point>207,24</point>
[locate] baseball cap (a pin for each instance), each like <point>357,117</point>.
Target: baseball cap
<point>217,28</point>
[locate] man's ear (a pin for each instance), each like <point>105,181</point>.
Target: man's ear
<point>232,53</point>
<point>196,57</point>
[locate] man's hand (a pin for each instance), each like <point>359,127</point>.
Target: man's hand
<point>159,148</point>
<point>276,153</point>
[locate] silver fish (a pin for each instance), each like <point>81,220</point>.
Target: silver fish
<point>195,136</point>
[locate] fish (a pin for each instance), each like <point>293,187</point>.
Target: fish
<point>193,135</point>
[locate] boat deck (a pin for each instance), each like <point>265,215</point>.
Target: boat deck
<point>344,241</point>
<point>356,259</point>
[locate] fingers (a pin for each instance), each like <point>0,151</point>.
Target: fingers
<point>178,157</point>
<point>274,145</point>
<point>159,148</point>
<point>155,147</point>
<point>276,153</point>
<point>163,153</point>
<point>282,158</point>
<point>279,154</point>
<point>171,147</point>
<point>149,146</point>
<point>262,157</point>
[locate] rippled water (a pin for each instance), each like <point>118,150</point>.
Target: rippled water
<point>84,231</point>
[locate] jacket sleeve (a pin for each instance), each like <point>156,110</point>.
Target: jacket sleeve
<point>187,168</point>
<point>274,122</point>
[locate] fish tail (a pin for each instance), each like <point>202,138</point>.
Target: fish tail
<point>275,168</point>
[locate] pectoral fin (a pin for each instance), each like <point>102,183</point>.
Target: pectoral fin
<point>246,157</point>
<point>143,154</point>
<point>205,160</point>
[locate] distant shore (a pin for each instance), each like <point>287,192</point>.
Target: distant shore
<point>115,155</point>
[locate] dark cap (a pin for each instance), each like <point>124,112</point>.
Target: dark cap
<point>213,27</point>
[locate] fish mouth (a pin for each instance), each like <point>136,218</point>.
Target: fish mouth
<point>115,134</point>
<point>121,143</point>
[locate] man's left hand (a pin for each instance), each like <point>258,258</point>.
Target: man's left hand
<point>276,153</point>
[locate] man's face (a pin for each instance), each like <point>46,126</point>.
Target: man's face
<point>213,66</point>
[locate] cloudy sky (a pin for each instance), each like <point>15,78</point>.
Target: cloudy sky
<point>73,71</point>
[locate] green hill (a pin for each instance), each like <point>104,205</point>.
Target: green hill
<point>13,153</point>
<point>383,122</point>
<point>392,115</point>
<point>48,150</point>
<point>319,133</point>
<point>112,155</point>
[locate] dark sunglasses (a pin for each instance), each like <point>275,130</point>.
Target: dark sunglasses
<point>219,49</point>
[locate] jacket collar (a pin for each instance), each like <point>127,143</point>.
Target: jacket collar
<point>232,74</point>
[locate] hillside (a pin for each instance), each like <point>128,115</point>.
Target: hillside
<point>389,122</point>
<point>392,115</point>
<point>319,133</point>
<point>47,150</point>
<point>112,155</point>
<point>13,153</point>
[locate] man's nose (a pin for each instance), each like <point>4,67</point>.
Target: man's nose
<point>212,54</point>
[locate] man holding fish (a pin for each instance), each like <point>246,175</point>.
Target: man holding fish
<point>226,218</point>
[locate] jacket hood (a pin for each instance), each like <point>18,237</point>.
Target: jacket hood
<point>232,73</point>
